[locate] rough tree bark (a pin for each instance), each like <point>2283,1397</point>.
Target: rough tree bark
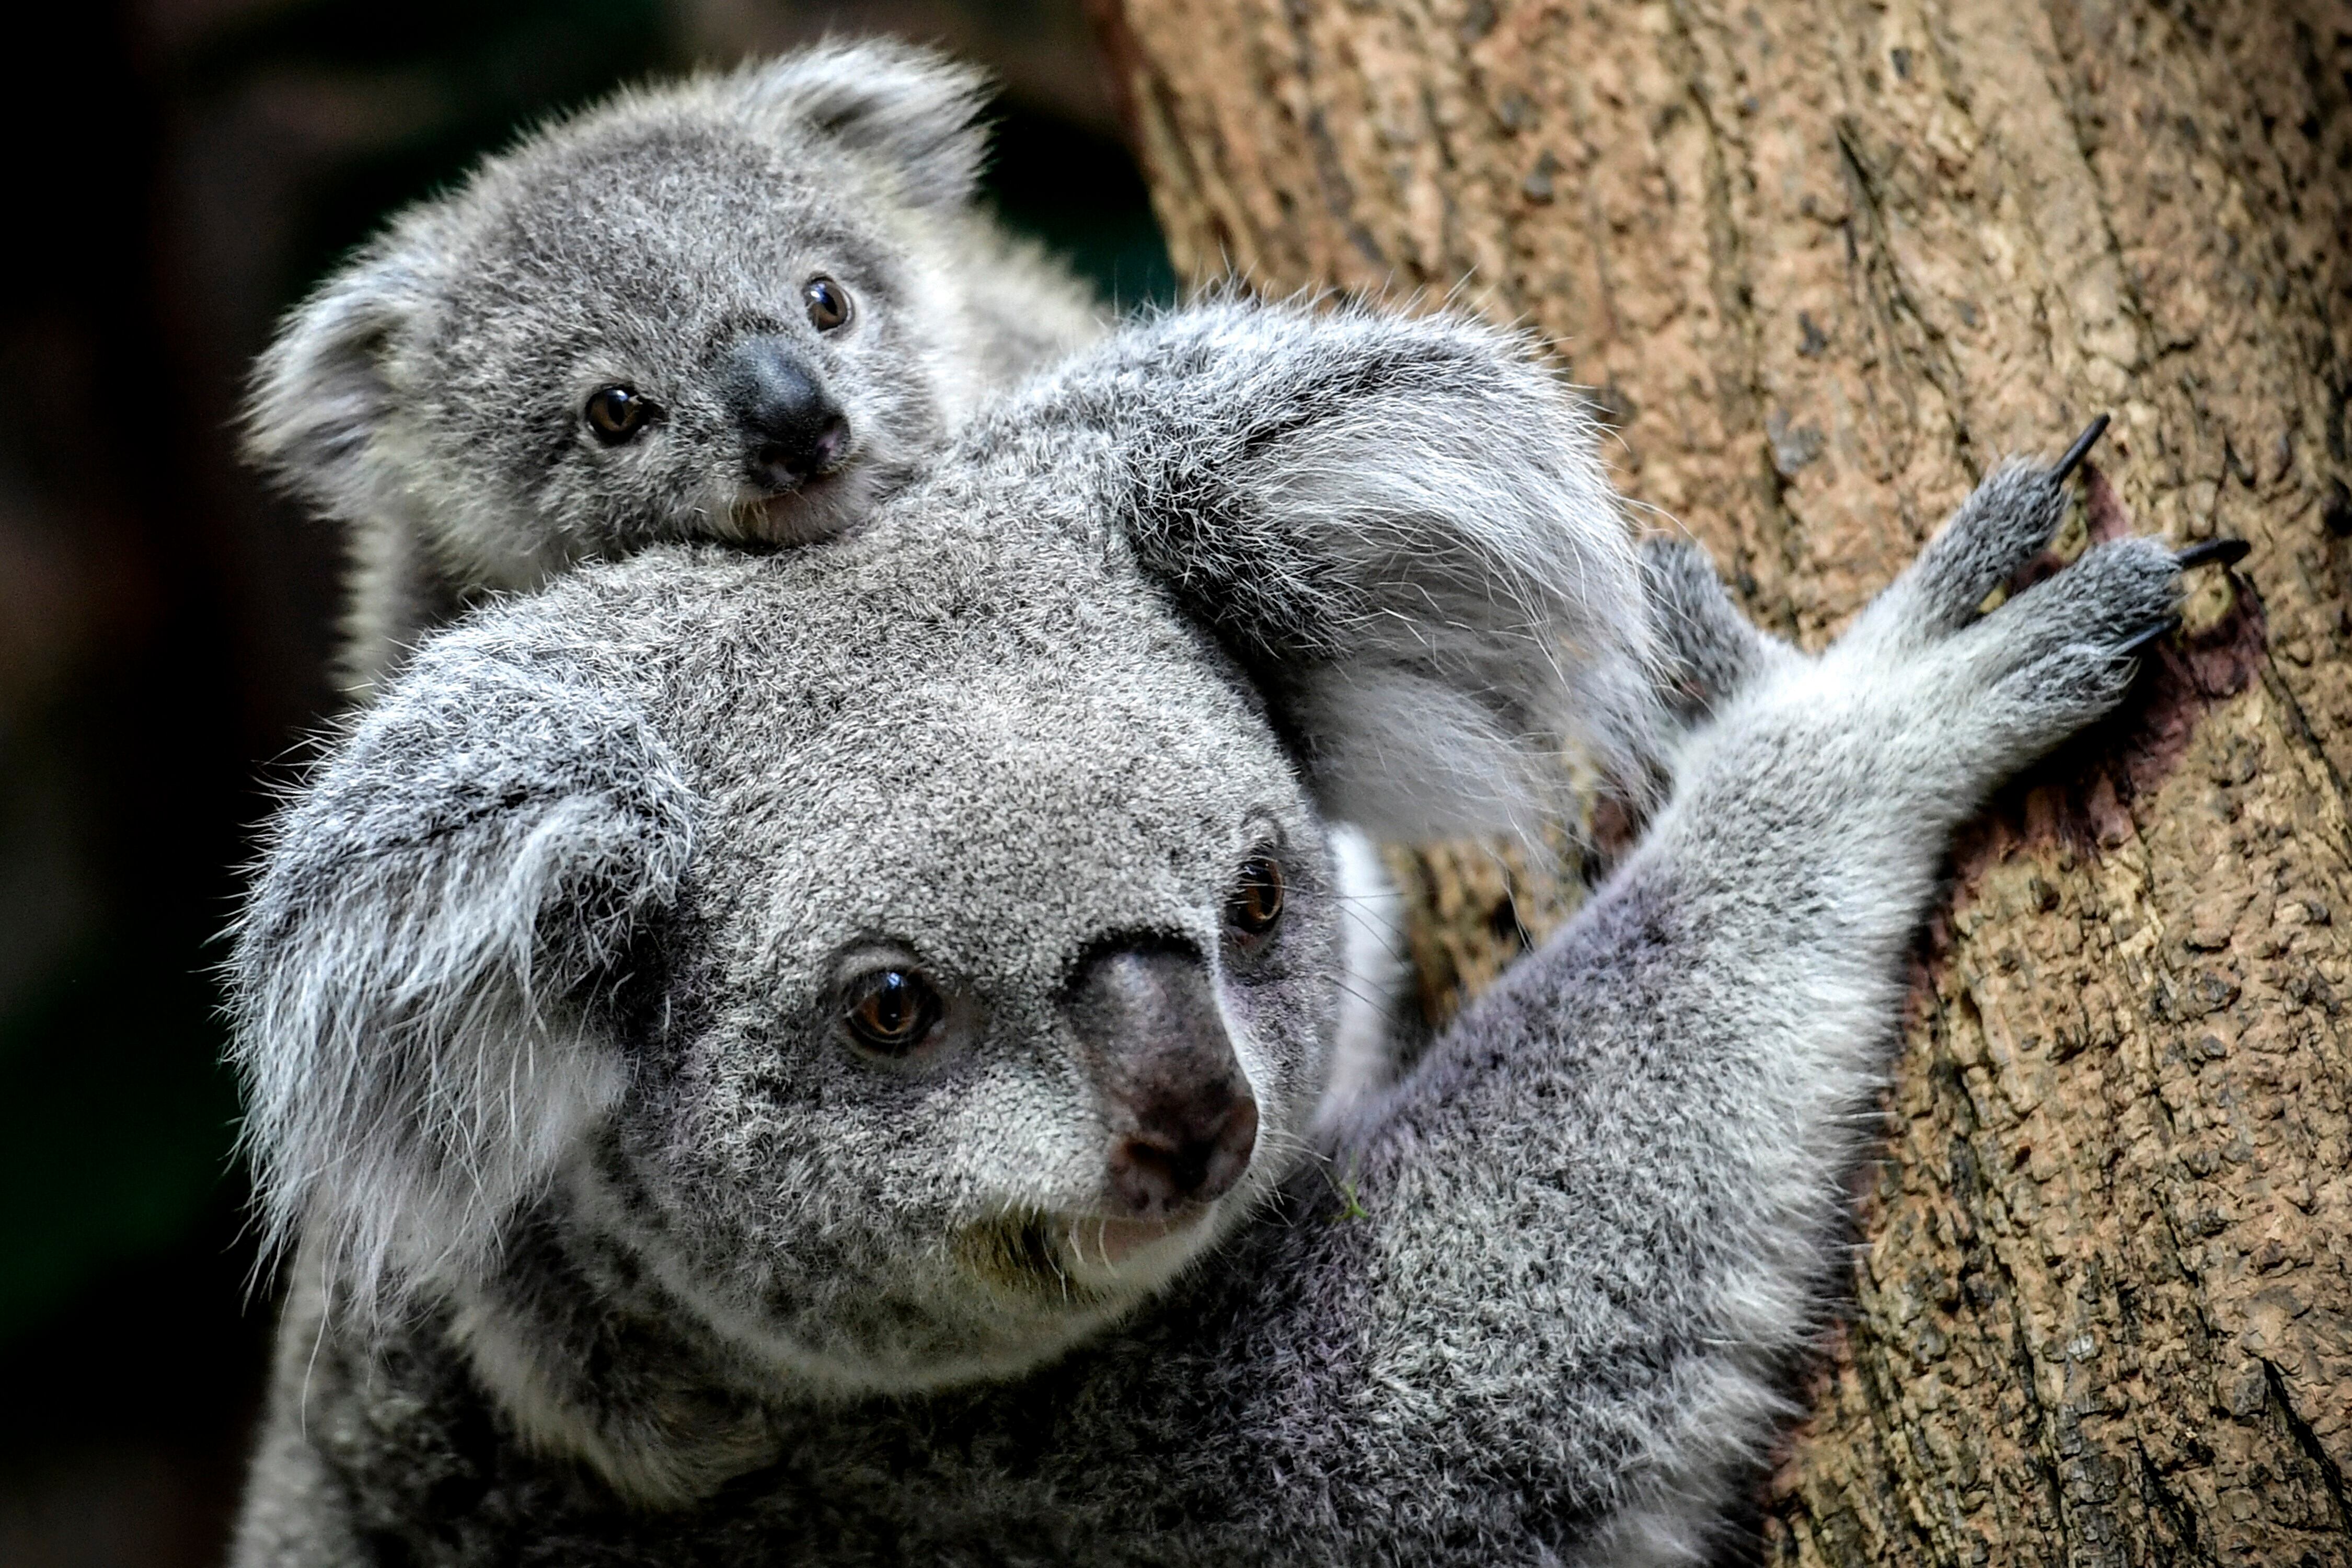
<point>1824,260</point>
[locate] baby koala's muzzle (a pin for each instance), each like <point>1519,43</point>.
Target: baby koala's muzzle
<point>792,429</point>
<point>1181,1118</point>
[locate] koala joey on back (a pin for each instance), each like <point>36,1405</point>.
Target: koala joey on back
<point>809,1057</point>
<point>737,308</point>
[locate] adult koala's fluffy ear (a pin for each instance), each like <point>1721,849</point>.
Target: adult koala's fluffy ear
<point>1401,528</point>
<point>320,392</point>
<point>411,976</point>
<point>915,111</point>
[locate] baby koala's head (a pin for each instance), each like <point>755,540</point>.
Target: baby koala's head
<point>729,309</point>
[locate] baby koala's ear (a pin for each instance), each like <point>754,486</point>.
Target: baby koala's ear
<point>320,392</point>
<point>413,977</point>
<point>1401,528</point>
<point>916,110</point>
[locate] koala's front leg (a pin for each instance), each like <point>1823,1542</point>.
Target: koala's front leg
<point>1610,1196</point>
<point>1766,918</point>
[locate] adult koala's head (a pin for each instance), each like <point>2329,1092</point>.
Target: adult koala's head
<point>728,309</point>
<point>897,958</point>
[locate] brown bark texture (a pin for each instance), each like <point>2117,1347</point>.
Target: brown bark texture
<point>1823,262</point>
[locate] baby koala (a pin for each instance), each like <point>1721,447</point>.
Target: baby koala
<point>738,308</point>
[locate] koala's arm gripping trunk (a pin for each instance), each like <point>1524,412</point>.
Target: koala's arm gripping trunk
<point>1550,1307</point>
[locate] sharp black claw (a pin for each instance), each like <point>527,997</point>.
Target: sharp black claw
<point>2213,553</point>
<point>2164,627</point>
<point>2079,451</point>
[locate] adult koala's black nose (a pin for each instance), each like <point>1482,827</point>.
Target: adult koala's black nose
<point>792,430</point>
<point>1182,1121</point>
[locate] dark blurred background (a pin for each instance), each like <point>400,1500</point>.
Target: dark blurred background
<point>189,168</point>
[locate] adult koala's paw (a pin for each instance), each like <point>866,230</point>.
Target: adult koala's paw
<point>2004,687</point>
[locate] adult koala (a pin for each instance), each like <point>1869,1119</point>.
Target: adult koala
<point>807,1058</point>
<point>739,306</point>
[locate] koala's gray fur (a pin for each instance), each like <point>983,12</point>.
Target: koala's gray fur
<point>613,1251</point>
<point>433,394</point>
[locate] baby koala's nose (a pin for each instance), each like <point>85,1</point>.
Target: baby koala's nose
<point>1181,1118</point>
<point>792,430</point>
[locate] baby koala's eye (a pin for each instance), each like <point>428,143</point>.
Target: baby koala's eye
<point>1257,901</point>
<point>618,413</point>
<point>892,1011</point>
<point>828,304</point>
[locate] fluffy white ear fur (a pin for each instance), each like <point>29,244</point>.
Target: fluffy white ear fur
<point>1402,528</point>
<point>408,975</point>
<point>915,111</point>
<point>319,393</point>
<point>1376,982</point>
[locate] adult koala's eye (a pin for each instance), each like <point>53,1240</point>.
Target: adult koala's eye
<point>828,304</point>
<point>618,413</point>
<point>1257,901</point>
<point>892,1011</point>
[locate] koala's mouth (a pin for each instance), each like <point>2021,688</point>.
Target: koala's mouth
<point>796,516</point>
<point>1081,1258</point>
<point>815,507</point>
<point>1110,1243</point>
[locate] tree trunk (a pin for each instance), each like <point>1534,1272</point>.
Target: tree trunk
<point>1825,261</point>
